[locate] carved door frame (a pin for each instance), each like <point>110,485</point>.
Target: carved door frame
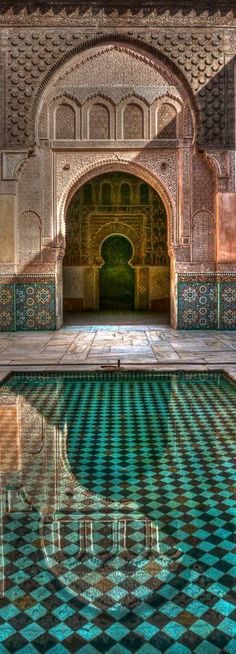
<point>147,174</point>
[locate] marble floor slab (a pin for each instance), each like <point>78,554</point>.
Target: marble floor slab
<point>142,343</point>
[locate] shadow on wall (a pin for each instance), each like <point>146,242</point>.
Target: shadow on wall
<point>205,301</point>
<point>28,297</point>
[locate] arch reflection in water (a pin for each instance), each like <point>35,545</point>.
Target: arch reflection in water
<point>88,520</point>
<point>118,499</point>
<point>103,559</point>
<point>116,274</point>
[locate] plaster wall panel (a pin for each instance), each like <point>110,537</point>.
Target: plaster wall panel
<point>30,197</point>
<point>156,61</point>
<point>28,237</point>
<point>159,282</point>
<point>226,227</point>
<point>202,184</point>
<point>7,228</point>
<point>46,193</point>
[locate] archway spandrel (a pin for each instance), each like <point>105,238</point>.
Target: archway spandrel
<point>147,167</point>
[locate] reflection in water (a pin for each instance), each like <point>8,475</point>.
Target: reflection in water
<point>10,445</point>
<point>114,549</point>
<point>109,494</point>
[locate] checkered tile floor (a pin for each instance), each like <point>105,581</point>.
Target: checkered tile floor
<point>142,562</point>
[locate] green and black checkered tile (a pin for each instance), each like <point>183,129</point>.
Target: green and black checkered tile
<point>138,555</point>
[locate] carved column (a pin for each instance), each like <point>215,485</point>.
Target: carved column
<point>90,288</point>
<point>142,287</point>
<point>185,193</point>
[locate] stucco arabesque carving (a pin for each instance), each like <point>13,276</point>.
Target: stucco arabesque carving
<point>35,55</point>
<point>145,166</point>
<point>219,162</point>
<point>12,164</point>
<point>131,93</point>
<point>176,86</point>
<point>81,96</point>
<point>118,228</point>
<point>69,83</point>
<point>127,48</point>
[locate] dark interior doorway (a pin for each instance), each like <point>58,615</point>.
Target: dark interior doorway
<point>124,217</point>
<point>116,278</point>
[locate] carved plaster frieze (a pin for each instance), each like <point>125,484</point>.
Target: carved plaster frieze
<point>232,179</point>
<point>230,41</point>
<point>223,166</point>
<point>12,163</point>
<point>203,183</point>
<point>37,268</point>
<point>227,269</point>
<point>115,94</point>
<point>219,162</point>
<point>188,267</point>
<point>163,164</point>
<point>8,187</point>
<point>70,166</point>
<point>7,269</point>
<point>123,65</point>
<point>35,55</point>
<point>182,253</point>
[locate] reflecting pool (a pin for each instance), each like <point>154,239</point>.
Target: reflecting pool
<point>117,509</point>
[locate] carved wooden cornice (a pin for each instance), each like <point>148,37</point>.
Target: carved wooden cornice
<point>159,6</point>
<point>128,11</point>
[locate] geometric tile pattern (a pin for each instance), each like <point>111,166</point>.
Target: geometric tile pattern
<point>31,305</point>
<point>7,307</point>
<point>154,574</point>
<point>35,306</point>
<point>197,305</point>
<point>27,305</point>
<point>228,305</point>
<point>205,303</point>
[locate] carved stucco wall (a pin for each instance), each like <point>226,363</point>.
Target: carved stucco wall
<point>188,58</point>
<point>119,85</point>
<point>35,54</point>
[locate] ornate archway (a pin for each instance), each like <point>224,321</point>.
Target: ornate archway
<point>143,220</point>
<point>130,165</point>
<point>141,151</point>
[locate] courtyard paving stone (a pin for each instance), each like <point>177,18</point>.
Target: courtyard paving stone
<point>139,342</point>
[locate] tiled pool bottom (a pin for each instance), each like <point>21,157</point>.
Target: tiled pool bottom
<point>117,502</point>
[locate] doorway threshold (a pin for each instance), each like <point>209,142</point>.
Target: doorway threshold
<point>107,318</point>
